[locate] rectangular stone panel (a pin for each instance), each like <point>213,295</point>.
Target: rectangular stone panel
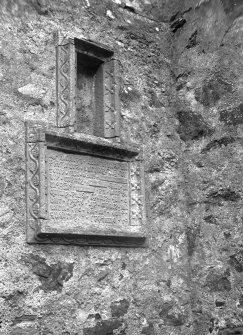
<point>84,190</point>
<point>86,194</point>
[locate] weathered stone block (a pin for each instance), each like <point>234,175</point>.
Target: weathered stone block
<point>119,308</point>
<point>148,330</point>
<point>105,327</point>
<point>212,91</point>
<point>217,282</point>
<point>192,126</point>
<point>222,142</point>
<point>52,276</point>
<point>232,117</point>
<point>236,261</point>
<point>231,331</point>
<point>24,331</point>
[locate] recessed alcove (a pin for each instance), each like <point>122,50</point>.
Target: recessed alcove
<point>89,97</point>
<point>87,88</point>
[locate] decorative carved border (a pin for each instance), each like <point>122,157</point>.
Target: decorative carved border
<point>34,183</point>
<point>65,83</point>
<point>137,215</point>
<point>37,139</point>
<point>111,100</point>
<point>89,240</point>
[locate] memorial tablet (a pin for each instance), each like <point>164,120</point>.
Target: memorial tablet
<point>83,190</point>
<point>89,188</point>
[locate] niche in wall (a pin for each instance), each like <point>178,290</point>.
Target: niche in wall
<point>87,88</point>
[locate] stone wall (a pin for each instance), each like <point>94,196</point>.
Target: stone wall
<point>208,72</point>
<point>181,100</point>
<point>64,290</point>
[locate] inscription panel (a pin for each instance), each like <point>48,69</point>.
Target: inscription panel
<point>83,191</point>
<point>86,193</point>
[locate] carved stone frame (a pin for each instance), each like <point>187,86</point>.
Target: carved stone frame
<point>37,140</point>
<point>66,74</point>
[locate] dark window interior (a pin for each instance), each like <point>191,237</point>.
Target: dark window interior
<point>89,95</point>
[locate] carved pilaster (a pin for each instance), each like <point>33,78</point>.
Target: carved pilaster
<point>137,210</point>
<point>35,185</point>
<point>65,83</point>
<point>111,99</point>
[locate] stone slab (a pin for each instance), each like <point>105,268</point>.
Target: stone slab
<point>86,193</point>
<point>83,190</point>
